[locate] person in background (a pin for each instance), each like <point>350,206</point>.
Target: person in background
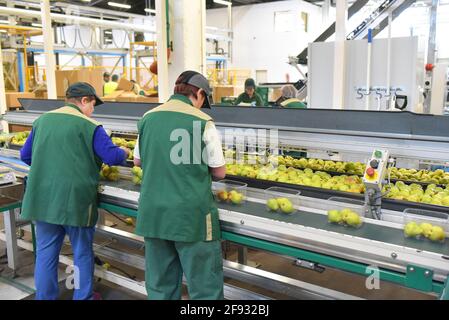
<point>288,98</point>
<point>106,77</point>
<point>110,87</point>
<point>177,214</point>
<point>137,89</point>
<point>65,150</point>
<point>250,97</point>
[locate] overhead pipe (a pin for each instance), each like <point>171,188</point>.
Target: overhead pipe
<point>368,70</point>
<point>68,19</point>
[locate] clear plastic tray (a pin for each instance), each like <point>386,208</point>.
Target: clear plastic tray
<point>339,205</point>
<point>420,217</point>
<point>285,200</point>
<point>229,191</point>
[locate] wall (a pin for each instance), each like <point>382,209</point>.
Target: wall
<point>257,45</point>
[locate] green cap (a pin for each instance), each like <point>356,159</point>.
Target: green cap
<point>82,89</point>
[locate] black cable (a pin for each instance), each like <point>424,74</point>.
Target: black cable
<point>116,216</point>
<point>99,262</point>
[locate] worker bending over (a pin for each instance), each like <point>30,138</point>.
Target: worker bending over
<point>177,213</point>
<point>288,98</point>
<point>65,150</point>
<point>250,97</point>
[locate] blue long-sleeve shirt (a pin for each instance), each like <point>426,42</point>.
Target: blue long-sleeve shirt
<point>108,152</point>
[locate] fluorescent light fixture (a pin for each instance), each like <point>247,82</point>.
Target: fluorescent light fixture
<point>119,5</point>
<point>108,32</point>
<point>3,31</point>
<point>36,25</point>
<point>150,10</point>
<point>4,21</point>
<point>225,3</point>
<point>86,0</point>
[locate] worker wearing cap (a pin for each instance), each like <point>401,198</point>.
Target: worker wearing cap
<point>65,149</point>
<point>111,86</point>
<point>288,98</point>
<point>106,77</point>
<point>179,150</point>
<point>250,96</point>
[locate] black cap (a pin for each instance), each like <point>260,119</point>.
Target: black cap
<point>250,83</point>
<point>82,89</point>
<point>197,80</point>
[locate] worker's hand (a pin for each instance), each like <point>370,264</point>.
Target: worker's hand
<point>128,151</point>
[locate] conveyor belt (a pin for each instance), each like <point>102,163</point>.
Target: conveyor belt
<point>319,221</point>
<point>121,184</point>
<point>320,193</point>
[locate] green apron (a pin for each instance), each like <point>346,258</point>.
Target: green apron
<point>255,99</point>
<point>177,214</point>
<point>63,180</point>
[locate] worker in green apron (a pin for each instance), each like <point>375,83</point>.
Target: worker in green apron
<point>288,98</point>
<point>179,149</point>
<point>65,150</point>
<point>250,97</point>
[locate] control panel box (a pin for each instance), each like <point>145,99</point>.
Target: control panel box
<point>376,168</point>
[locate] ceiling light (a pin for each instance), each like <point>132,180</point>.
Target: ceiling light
<point>4,21</point>
<point>108,32</point>
<point>36,25</point>
<point>225,3</point>
<point>150,10</point>
<point>119,5</point>
<point>86,0</point>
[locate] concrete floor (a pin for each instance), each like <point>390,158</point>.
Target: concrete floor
<point>333,279</point>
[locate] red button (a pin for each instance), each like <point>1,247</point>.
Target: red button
<point>370,172</point>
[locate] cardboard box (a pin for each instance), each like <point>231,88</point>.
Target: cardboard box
<point>12,101</point>
<point>125,85</point>
<point>274,94</point>
<point>135,98</point>
<point>225,91</point>
<point>65,78</point>
<point>112,96</point>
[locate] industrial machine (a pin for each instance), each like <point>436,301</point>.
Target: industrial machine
<point>377,139</point>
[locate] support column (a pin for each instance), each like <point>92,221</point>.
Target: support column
<point>188,31</point>
<point>431,53</point>
<point>2,87</point>
<point>162,61</point>
<point>48,47</point>
<point>339,55</point>
<point>325,12</point>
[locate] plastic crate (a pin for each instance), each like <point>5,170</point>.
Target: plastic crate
<point>342,218</point>
<point>283,200</point>
<point>230,191</point>
<point>424,218</point>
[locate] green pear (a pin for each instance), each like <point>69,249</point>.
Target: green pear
<point>426,229</point>
<point>345,214</point>
<point>236,197</point>
<point>437,234</point>
<point>286,206</point>
<point>353,219</point>
<point>334,216</point>
<point>273,204</point>
<point>412,229</point>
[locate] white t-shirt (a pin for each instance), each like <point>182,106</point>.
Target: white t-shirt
<point>214,152</point>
